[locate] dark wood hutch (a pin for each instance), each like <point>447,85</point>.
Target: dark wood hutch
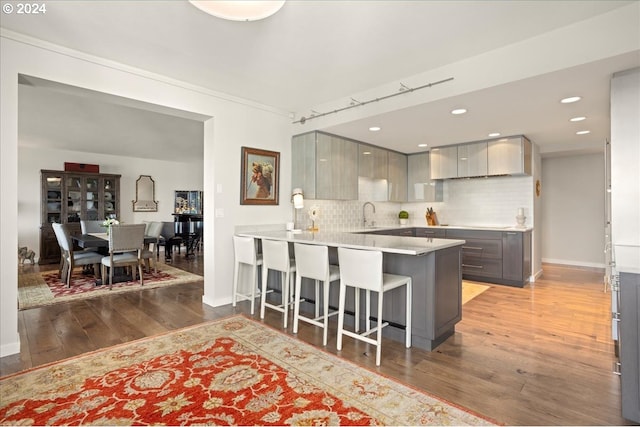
<point>67,197</point>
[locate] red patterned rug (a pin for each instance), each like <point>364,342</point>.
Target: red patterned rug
<point>229,372</point>
<point>38,289</point>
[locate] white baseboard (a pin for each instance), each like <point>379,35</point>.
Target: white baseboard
<point>10,348</point>
<point>573,263</point>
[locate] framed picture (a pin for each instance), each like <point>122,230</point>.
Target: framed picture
<point>259,179</point>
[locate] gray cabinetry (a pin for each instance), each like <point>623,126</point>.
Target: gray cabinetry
<point>630,345</point>
<point>472,159</point>
<point>430,232</point>
<point>444,162</point>
<point>420,186</point>
<point>303,164</point>
<point>516,256</point>
<point>325,166</point>
<point>481,254</point>
<point>397,177</point>
<point>505,156</point>
<point>509,156</point>
<point>373,162</point>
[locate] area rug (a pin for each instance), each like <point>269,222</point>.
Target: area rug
<point>233,371</point>
<point>470,290</point>
<point>46,288</point>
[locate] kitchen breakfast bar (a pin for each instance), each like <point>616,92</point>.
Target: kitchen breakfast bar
<point>433,264</point>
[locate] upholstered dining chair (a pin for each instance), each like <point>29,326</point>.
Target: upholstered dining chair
<point>69,258</point>
<point>152,229</point>
<point>126,242</point>
<point>91,226</point>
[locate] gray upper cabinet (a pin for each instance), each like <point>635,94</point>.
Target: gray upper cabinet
<point>420,186</point>
<point>373,162</point>
<point>509,156</point>
<point>397,180</point>
<point>444,162</point>
<point>504,156</point>
<point>324,166</point>
<point>472,159</point>
<point>303,164</point>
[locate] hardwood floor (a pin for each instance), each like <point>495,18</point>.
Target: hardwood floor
<point>541,355</point>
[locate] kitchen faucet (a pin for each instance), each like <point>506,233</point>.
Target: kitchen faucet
<point>364,213</point>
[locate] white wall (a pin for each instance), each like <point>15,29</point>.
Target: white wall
<point>168,177</point>
<point>625,169</point>
<point>573,210</point>
<point>234,123</point>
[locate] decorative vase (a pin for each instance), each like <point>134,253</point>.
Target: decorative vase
<point>403,221</point>
<point>521,219</point>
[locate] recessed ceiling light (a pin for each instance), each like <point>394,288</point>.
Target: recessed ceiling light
<point>423,145</point>
<point>570,99</point>
<point>366,152</point>
<point>374,128</point>
<point>459,111</point>
<point>577,119</point>
<point>583,132</point>
<point>494,134</point>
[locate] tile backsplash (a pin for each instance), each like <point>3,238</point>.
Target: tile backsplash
<point>492,201</point>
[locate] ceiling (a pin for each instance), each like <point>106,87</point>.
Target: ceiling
<point>313,52</point>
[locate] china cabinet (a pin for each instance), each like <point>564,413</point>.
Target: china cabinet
<point>68,197</point>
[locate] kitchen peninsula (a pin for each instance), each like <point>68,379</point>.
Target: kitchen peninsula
<point>434,265</point>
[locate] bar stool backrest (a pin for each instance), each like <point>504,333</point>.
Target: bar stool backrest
<point>312,261</point>
<point>275,254</point>
<point>361,268</point>
<point>244,249</point>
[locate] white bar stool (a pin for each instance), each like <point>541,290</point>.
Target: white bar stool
<point>362,269</point>
<point>275,256</point>
<point>244,249</point>
<point>312,262</point>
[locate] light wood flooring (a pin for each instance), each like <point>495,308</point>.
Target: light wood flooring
<point>541,355</point>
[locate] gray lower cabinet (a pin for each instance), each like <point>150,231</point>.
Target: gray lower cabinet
<point>502,257</point>
<point>436,297</point>
<point>630,345</point>
<point>430,232</point>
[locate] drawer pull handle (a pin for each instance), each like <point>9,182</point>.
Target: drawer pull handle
<point>472,266</point>
<point>475,248</point>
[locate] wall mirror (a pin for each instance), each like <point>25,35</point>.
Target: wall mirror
<point>145,195</point>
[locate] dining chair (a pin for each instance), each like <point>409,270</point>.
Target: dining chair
<point>153,230</point>
<point>91,226</point>
<point>245,252</point>
<point>362,269</point>
<point>312,262</point>
<point>69,258</point>
<point>126,242</point>
<point>275,256</point>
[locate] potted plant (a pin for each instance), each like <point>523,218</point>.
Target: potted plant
<point>404,216</point>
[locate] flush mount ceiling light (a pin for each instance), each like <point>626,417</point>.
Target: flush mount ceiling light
<point>458,111</point>
<point>577,119</point>
<point>423,145</point>
<point>570,99</point>
<point>494,134</point>
<point>374,128</point>
<point>239,10</point>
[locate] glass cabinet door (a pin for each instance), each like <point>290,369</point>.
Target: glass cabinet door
<point>110,197</point>
<point>75,189</point>
<point>54,199</point>
<point>91,200</point>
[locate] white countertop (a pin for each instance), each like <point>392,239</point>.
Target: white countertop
<point>389,244</point>
<point>444,227</point>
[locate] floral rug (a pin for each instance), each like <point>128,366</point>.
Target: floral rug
<point>46,288</point>
<point>233,371</point>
